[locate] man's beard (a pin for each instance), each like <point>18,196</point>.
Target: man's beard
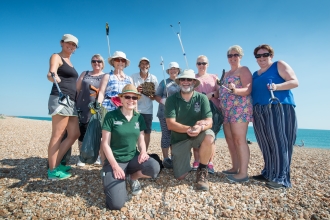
<point>145,71</point>
<point>187,90</point>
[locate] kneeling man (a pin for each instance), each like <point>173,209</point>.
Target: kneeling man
<point>189,117</point>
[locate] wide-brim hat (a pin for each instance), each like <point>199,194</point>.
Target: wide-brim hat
<point>118,54</point>
<point>173,64</point>
<point>189,74</point>
<point>70,38</point>
<point>129,88</point>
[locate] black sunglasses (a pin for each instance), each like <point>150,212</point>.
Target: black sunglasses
<point>233,55</point>
<point>262,55</point>
<point>185,79</point>
<point>131,97</point>
<point>201,63</point>
<point>94,61</point>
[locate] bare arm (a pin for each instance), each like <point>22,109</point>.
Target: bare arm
<point>287,73</point>
<point>103,86</point>
<point>79,81</point>
<point>54,63</point>
<point>246,80</point>
<point>175,126</point>
<point>117,170</point>
<point>158,98</point>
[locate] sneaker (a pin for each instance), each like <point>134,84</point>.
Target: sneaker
<point>260,178</point>
<point>135,186</point>
<point>80,164</point>
<point>57,174</point>
<point>167,162</point>
<point>274,185</point>
<point>210,168</point>
<point>195,166</point>
<point>201,179</point>
<point>98,161</point>
<point>64,168</point>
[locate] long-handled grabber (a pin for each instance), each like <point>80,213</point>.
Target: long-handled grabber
<point>220,81</point>
<point>63,98</point>
<point>107,33</point>
<point>162,63</point>
<point>184,53</point>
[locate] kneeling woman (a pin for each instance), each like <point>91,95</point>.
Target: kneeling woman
<point>122,129</point>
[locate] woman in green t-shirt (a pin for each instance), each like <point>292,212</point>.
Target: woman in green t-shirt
<point>122,130</point>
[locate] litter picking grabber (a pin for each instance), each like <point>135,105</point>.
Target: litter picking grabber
<point>162,63</point>
<point>63,98</point>
<point>179,33</point>
<point>220,82</point>
<point>107,33</point>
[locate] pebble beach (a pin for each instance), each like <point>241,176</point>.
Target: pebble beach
<point>26,193</point>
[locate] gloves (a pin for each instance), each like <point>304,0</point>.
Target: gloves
<point>163,100</point>
<point>94,107</point>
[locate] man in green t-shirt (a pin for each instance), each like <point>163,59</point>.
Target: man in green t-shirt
<point>189,117</point>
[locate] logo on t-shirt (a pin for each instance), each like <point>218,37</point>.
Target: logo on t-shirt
<point>137,125</point>
<point>197,107</point>
<point>118,122</point>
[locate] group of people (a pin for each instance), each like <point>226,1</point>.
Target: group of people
<point>185,115</point>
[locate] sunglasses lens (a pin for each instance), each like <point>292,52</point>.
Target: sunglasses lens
<point>131,97</point>
<point>98,61</point>
<point>229,55</point>
<point>266,55</point>
<point>257,55</point>
<point>120,59</point>
<point>201,63</point>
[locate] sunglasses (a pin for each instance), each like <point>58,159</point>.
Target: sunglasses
<point>201,63</point>
<point>120,59</point>
<point>262,55</point>
<point>131,97</point>
<point>96,61</point>
<point>233,55</point>
<point>185,79</point>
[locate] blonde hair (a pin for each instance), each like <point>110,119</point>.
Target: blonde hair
<point>237,48</point>
<point>203,56</point>
<point>98,56</point>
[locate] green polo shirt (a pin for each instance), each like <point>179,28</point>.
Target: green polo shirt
<point>186,113</point>
<point>124,134</point>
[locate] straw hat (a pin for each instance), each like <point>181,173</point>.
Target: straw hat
<point>118,54</point>
<point>189,74</point>
<point>173,64</point>
<point>129,88</point>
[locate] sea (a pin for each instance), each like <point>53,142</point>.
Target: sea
<point>311,138</point>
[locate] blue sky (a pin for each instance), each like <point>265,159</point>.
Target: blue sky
<point>298,30</point>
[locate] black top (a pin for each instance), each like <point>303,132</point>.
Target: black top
<point>68,76</point>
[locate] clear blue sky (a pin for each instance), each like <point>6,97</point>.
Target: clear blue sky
<point>298,30</point>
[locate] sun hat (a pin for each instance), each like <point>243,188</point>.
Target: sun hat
<point>144,58</point>
<point>117,54</point>
<point>173,64</point>
<point>129,88</point>
<point>189,74</point>
<point>70,38</point>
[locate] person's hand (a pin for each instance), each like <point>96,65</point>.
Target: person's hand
<point>163,101</point>
<point>232,87</point>
<point>139,89</point>
<point>273,86</point>
<point>202,122</point>
<point>118,172</point>
<point>143,157</point>
<point>194,130</point>
<point>57,78</point>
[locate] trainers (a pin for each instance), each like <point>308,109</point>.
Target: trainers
<point>167,162</point>
<point>210,168</point>
<point>201,179</point>
<point>64,168</point>
<point>57,174</point>
<point>195,166</point>
<point>274,185</point>
<point>98,161</point>
<point>135,186</point>
<point>80,164</point>
<point>260,178</point>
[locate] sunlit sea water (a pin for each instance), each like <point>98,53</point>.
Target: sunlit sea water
<point>312,138</point>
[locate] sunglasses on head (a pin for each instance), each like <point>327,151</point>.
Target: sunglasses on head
<point>131,97</point>
<point>262,55</point>
<point>201,63</point>
<point>98,61</point>
<point>185,79</point>
<point>120,59</point>
<point>233,55</point>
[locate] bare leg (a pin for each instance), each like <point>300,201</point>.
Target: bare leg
<point>138,175</point>
<point>238,131</point>
<point>213,153</point>
<point>165,152</point>
<point>147,140</point>
<point>73,134</point>
<point>232,149</point>
<point>196,154</point>
<point>206,149</point>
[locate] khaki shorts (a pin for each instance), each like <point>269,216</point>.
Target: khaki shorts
<point>181,152</point>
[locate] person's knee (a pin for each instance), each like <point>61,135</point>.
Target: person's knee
<point>115,204</point>
<point>208,140</point>
<point>152,168</point>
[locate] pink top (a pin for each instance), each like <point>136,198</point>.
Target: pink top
<point>209,84</point>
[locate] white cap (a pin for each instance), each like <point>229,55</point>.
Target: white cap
<point>173,64</point>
